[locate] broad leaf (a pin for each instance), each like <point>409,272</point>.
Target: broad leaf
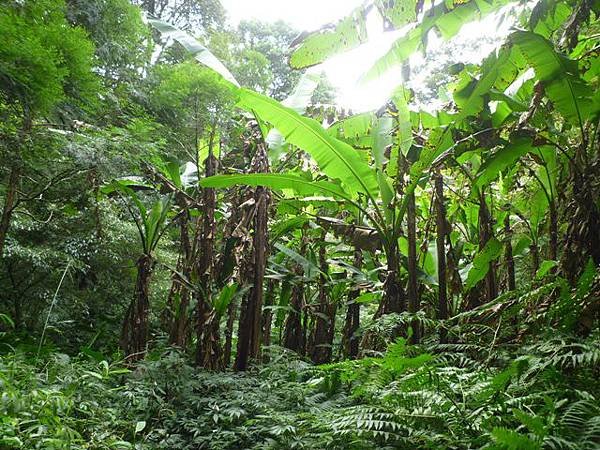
<point>503,158</point>
<point>481,263</point>
<point>201,53</point>
<point>571,96</point>
<point>314,48</point>
<point>295,183</point>
<point>335,158</point>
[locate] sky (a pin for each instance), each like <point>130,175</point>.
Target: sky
<point>345,70</point>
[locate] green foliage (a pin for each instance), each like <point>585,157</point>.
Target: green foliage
<point>45,59</point>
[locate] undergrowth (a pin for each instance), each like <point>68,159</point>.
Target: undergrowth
<point>541,395</point>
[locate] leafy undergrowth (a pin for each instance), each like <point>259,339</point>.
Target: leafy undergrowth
<point>544,395</point>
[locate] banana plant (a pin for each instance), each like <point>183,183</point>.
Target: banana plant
<point>151,225</point>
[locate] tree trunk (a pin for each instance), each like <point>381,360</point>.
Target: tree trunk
<point>134,333</point>
<point>231,315</point>
<point>322,341</point>
<point>535,258</point>
<point>441,253</point>
<point>352,325</point>
<point>553,254</point>
<point>293,335</point>
<point>250,319</point>
<point>485,234</point>
<point>180,327</point>
<point>508,255</point>
<point>205,354</point>
<point>267,318</point>
<point>413,294</point>
<point>9,204</point>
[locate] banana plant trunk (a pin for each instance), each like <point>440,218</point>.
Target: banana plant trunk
<point>249,332</point>
<point>413,290</point>
<point>322,341</point>
<point>206,356</point>
<point>180,326</point>
<point>441,253</point>
<point>134,332</point>
<point>508,255</point>
<point>293,335</point>
<point>350,340</point>
<point>267,318</point>
<point>485,234</point>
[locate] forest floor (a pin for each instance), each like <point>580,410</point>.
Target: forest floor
<point>543,394</point>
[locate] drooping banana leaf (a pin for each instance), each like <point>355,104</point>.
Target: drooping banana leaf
<point>298,100</point>
<point>397,13</point>
<point>201,53</point>
<point>291,182</point>
<point>502,159</point>
<point>569,93</point>
<point>499,71</point>
<point>446,17</point>
<point>335,158</point>
<point>313,48</point>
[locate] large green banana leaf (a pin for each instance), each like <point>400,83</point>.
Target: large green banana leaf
<point>350,32</point>
<point>298,100</point>
<point>502,159</point>
<point>314,48</point>
<point>335,158</point>
<point>569,93</point>
<point>201,53</point>
<point>300,186</point>
<point>446,17</point>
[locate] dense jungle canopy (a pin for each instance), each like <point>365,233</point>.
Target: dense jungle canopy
<point>201,248</point>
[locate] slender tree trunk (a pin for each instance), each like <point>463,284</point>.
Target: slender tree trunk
<point>134,332</point>
<point>250,318</point>
<point>535,258</point>
<point>231,316</point>
<point>508,254</point>
<point>267,318</point>
<point>553,230</point>
<point>322,341</point>
<point>293,335</point>
<point>485,234</point>
<point>441,253</point>
<point>205,354</point>
<point>180,327</point>
<point>352,325</point>
<point>9,204</point>
<point>413,293</point>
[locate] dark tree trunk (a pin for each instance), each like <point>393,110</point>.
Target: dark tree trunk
<point>134,333</point>
<point>180,326</point>
<point>535,258</point>
<point>205,353</point>
<point>413,293</point>
<point>393,301</point>
<point>441,253</point>
<point>352,325</point>
<point>267,318</point>
<point>553,254</point>
<point>485,234</point>
<point>231,316</point>
<point>322,341</point>
<point>508,255</point>
<point>293,335</point>
<point>9,204</point>
<point>250,319</point>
